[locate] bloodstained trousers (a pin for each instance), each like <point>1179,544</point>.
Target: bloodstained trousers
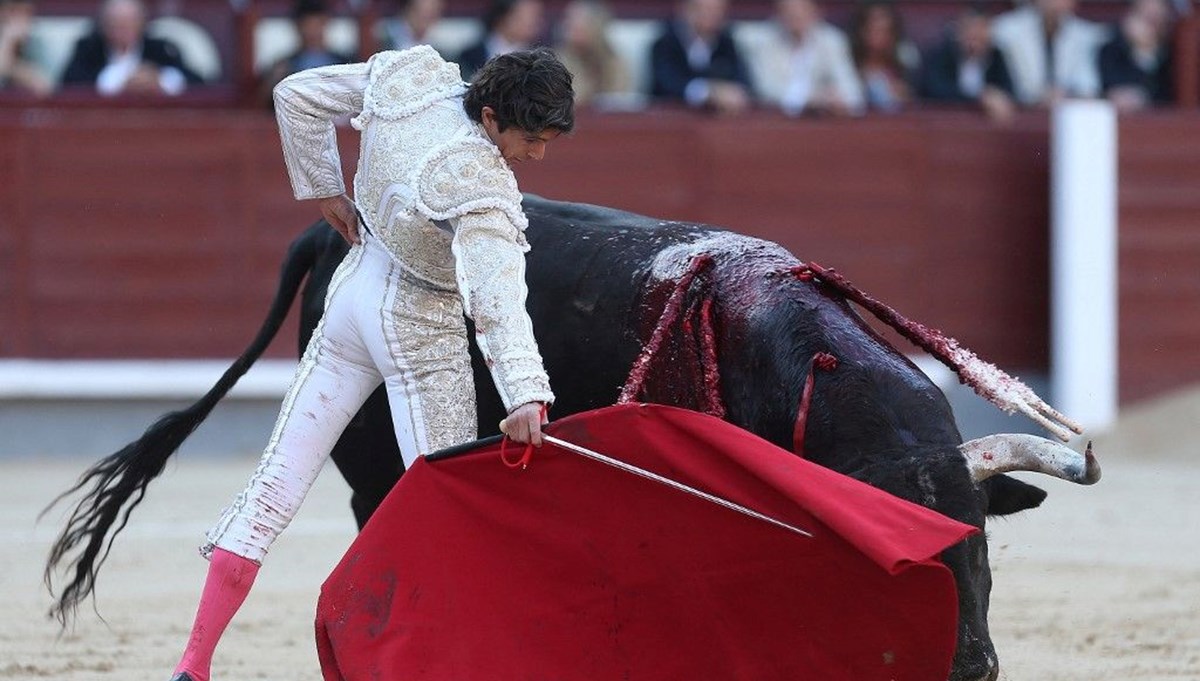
<point>381,325</point>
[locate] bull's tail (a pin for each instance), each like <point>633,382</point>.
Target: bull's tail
<point>115,486</point>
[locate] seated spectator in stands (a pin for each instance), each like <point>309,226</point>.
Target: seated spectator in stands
<point>967,67</point>
<point>582,45</point>
<point>118,58</point>
<point>22,59</point>
<point>806,67</point>
<point>509,25</point>
<point>410,26</point>
<point>1050,52</point>
<point>695,60</point>
<point>311,18</point>
<point>887,63</point>
<point>1135,66</point>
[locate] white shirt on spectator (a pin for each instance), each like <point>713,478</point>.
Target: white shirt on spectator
<point>1021,37</point>
<point>789,73</point>
<point>699,53</point>
<point>699,56</point>
<point>971,77</point>
<point>120,69</point>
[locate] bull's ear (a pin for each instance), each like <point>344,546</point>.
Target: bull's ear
<point>1008,495</point>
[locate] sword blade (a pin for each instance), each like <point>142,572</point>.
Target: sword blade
<point>673,484</point>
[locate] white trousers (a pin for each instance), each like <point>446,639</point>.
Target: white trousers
<point>380,325</point>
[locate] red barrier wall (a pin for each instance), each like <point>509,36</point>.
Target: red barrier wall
<point>138,233</point>
<point>1159,214</point>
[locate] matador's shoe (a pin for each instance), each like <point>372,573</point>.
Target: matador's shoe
<point>182,676</point>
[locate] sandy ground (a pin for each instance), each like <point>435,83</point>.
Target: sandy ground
<point>1102,583</point>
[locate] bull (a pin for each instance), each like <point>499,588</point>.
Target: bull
<point>626,307</point>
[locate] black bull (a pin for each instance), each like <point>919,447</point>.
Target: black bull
<point>737,337</point>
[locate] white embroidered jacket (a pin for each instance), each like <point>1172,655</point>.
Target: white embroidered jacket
<point>430,185</point>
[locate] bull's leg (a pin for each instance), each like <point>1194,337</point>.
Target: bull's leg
<point>368,456</point>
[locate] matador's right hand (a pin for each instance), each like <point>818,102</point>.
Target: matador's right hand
<point>524,424</point>
<point>339,211</point>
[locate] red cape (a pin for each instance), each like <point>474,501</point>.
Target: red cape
<point>572,569</point>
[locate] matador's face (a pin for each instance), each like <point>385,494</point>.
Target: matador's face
<point>517,145</point>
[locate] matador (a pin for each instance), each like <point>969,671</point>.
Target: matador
<point>437,233</point>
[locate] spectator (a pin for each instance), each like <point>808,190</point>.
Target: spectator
<point>509,25</point>
<point>805,66</point>
<point>967,67</point>
<point>22,58</point>
<point>411,25</point>
<point>886,61</point>
<point>1135,65</point>
<point>583,46</point>
<point>1050,52</point>
<point>311,18</point>
<point>695,60</point>
<point>117,57</point>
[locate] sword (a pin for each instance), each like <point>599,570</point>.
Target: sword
<point>673,484</point>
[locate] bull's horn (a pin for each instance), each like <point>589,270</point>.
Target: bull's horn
<point>995,454</point>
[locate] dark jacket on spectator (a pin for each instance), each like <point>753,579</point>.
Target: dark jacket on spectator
<point>296,61</point>
<point>1118,68</point>
<point>671,71</point>
<point>473,58</point>
<point>940,74</point>
<point>91,56</point>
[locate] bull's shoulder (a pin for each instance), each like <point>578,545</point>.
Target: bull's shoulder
<point>643,247</point>
<point>726,250</point>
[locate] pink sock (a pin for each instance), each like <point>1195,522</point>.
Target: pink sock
<point>229,580</point>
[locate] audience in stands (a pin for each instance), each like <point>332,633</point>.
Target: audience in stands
<point>311,18</point>
<point>804,65</point>
<point>1050,52</point>
<point>117,57</point>
<point>695,60</point>
<point>887,63</point>
<point>795,61</point>
<point>509,25</point>
<point>581,41</point>
<point>22,57</point>
<point>411,24</point>
<point>1135,65</point>
<point>967,67</point>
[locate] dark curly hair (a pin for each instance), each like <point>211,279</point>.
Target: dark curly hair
<point>528,89</point>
